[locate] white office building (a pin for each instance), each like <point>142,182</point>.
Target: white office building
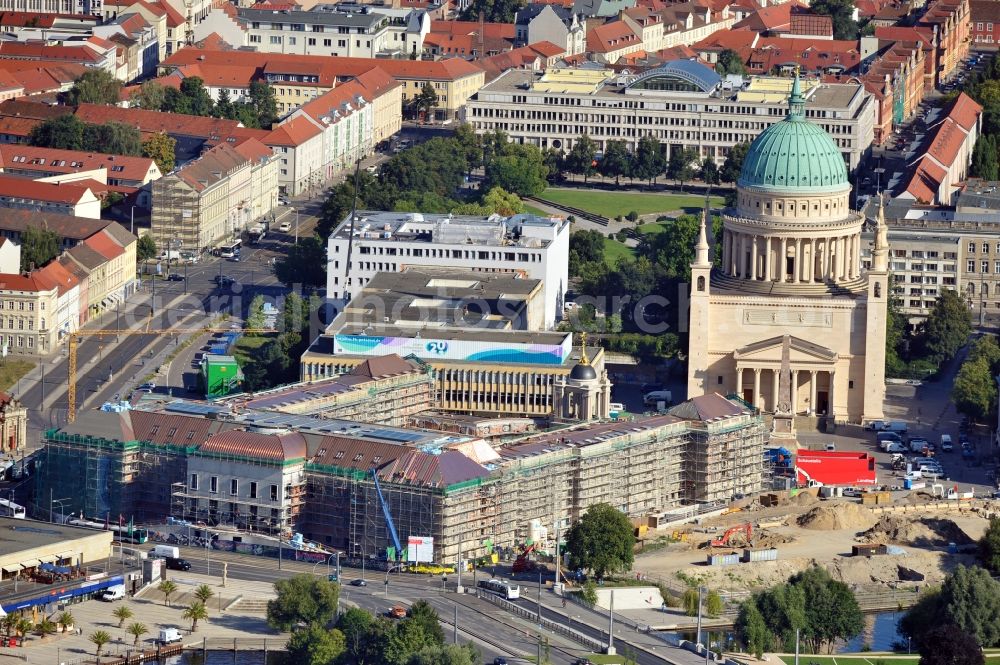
<point>683,104</point>
<point>521,245</point>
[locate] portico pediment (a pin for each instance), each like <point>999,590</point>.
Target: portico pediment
<point>769,351</point>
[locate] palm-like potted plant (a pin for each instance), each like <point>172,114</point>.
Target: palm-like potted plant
<point>195,612</point>
<point>167,588</point>
<point>136,630</point>
<point>45,627</point>
<point>99,638</point>
<point>123,614</point>
<point>203,593</point>
<point>66,620</point>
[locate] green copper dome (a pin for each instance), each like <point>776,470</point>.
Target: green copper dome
<point>794,154</point>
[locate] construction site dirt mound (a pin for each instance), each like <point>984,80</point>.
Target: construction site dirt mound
<point>763,538</point>
<point>805,499</point>
<point>837,517</point>
<point>924,532</point>
<point>914,498</point>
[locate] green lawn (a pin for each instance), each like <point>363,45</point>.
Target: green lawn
<point>12,370</point>
<point>604,659</point>
<point>614,250</point>
<point>535,211</point>
<point>611,204</point>
<point>652,228</point>
<point>246,346</point>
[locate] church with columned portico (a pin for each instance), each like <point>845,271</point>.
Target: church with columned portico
<point>791,268</point>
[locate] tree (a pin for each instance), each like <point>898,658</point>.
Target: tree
<point>950,645</point>
<point>38,247</point>
<point>751,629</point>
<point>167,588</point>
<point>425,100</point>
<point>709,173</point>
<point>161,147</point>
<point>581,157</point>
<point>498,200</point>
<point>975,390</point>
<point>94,86</point>
<point>424,615</point>
<point>601,541</point>
<point>520,170</point>
<point>649,162</point>
<point>302,598</point>
<point>64,132</point>
<point>263,103</point>
<point>680,166</point>
<point>123,614</point>
<point>713,604</point>
<point>175,101</point>
<point>985,158</point>
<point>734,162</point>
<point>224,107</point>
<point>315,645</point>
<point>355,624</point>
<point>303,263</point>
<point>150,96</point>
<point>730,62</point>
<point>145,248</point>
<point>66,619</point>
<point>841,12</point>
<point>555,163</point>
<point>45,627</point>
<point>136,630</point>
<point>948,327</point>
<point>255,317</point>
<point>199,101</point>
<point>493,11</point>
<point>447,654</point>
<point>204,593</point>
<point>971,600</point>
<point>585,246</point>
<point>690,601</point>
<point>194,613</point>
<point>989,546</point>
<point>617,161</point>
<point>115,138</point>
<point>99,638</point>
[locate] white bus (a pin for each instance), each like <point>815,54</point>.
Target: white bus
<point>228,250</point>
<point>10,509</point>
<point>502,589</point>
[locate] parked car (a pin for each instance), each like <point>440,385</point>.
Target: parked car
<point>177,564</point>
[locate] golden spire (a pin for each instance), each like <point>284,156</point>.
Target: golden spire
<point>584,360</point>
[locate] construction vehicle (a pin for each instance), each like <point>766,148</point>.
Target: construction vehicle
<point>523,564</point>
<point>73,342</point>
<point>735,536</point>
<point>388,516</point>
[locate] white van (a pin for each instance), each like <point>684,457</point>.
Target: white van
<point>169,636</point>
<point>898,427</point>
<point>111,594</point>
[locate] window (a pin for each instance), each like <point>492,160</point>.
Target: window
<point>985,267</point>
<point>275,39</point>
<point>274,492</point>
<point>234,487</point>
<point>213,484</point>
<point>986,248</point>
<point>194,481</point>
<point>972,248</point>
<point>311,41</point>
<point>970,266</point>
<point>253,490</point>
<point>328,43</point>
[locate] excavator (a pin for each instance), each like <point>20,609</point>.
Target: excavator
<point>735,536</point>
<point>523,564</point>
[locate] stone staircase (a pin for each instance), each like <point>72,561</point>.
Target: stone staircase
<point>251,605</point>
<point>815,289</point>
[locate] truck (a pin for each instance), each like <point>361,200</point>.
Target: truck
<point>168,636</point>
<point>170,255</point>
<point>256,233</point>
<point>817,468</point>
<point>166,552</point>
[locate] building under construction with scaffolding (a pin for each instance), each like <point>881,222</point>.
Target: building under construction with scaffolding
<point>367,489</point>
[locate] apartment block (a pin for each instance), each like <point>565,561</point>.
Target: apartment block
<point>683,104</point>
<point>68,199</point>
<point>214,197</point>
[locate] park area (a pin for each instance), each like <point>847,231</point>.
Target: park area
<point>611,204</point>
<point>12,370</point>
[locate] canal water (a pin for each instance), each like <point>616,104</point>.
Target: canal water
<point>880,635</point>
<point>225,658</point>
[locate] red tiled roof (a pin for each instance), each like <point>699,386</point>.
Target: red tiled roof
<point>334,100</point>
<point>55,274</point>
<point>225,76</point>
<point>174,18</point>
<point>25,157</point>
<point>49,52</point>
<point>985,10</point>
<point>728,39</point>
<point>42,20</point>
<point>965,111</point>
<point>440,70</point>
<point>158,121</point>
<point>898,33</point>
<point>105,245</point>
<point>546,49</point>
<point>924,182</point>
<point>41,191</point>
<point>611,37</point>
<point>775,17</point>
<point>490,30</point>
<point>10,282</point>
<point>293,132</point>
<point>252,149</point>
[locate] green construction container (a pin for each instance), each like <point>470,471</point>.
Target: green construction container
<point>221,376</point>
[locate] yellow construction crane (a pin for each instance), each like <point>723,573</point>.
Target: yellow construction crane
<point>73,341</point>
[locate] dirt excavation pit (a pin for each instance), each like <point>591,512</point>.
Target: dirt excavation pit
<point>837,517</point>
<point>922,532</point>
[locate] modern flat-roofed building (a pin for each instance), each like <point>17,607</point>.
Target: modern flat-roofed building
<point>519,246</point>
<point>683,104</point>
